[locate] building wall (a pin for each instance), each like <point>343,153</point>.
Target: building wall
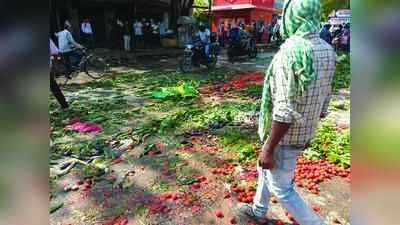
<point>261,16</point>
<point>264,3</point>
<point>104,14</point>
<point>231,2</point>
<point>232,17</point>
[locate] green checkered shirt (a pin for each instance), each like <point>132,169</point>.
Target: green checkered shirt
<point>305,111</point>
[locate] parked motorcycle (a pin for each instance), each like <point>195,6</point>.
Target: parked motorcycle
<point>195,55</point>
<point>239,48</point>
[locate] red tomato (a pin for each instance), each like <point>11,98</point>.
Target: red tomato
<point>168,196</point>
<point>219,214</point>
<point>79,182</point>
<point>232,220</point>
<point>227,195</point>
<point>196,185</point>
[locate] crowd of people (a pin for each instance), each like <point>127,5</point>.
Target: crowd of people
<point>337,35</point>
<point>145,33</point>
<point>260,31</point>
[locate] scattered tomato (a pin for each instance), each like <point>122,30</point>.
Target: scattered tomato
<point>249,199</point>
<point>196,185</point>
<point>219,214</point>
<point>227,195</point>
<point>79,182</point>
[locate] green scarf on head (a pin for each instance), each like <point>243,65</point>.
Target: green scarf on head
<point>300,17</point>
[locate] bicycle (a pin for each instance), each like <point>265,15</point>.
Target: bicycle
<point>92,65</point>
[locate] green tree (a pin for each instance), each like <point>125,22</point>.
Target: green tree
<point>200,13</point>
<point>327,6</point>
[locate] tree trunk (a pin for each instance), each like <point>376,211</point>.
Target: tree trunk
<point>185,7</point>
<point>174,14</point>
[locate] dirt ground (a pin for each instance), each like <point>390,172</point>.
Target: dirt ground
<point>150,179</point>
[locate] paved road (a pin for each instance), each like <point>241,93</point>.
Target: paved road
<point>121,62</point>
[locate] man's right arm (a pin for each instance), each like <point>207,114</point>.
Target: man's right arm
<point>72,41</point>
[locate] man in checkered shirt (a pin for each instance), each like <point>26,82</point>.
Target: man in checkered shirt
<point>296,92</point>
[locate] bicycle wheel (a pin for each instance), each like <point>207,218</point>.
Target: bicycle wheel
<point>64,78</point>
<point>95,67</point>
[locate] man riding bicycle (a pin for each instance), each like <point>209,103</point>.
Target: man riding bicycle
<point>204,35</point>
<point>65,42</point>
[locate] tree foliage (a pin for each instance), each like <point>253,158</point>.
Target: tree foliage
<point>199,13</point>
<point>327,6</point>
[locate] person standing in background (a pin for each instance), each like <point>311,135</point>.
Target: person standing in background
<point>276,36</point>
<point>337,31</point>
<point>224,32</point>
<point>161,28</point>
<point>325,34</point>
<point>261,31</point>
<point>154,33</point>
<point>344,38</point>
<point>146,32</point>
<point>55,89</point>
<point>219,33</point>
<point>120,32</point>
<point>254,29</point>
<point>138,34</point>
<point>87,33</point>
<point>270,32</point>
<point>249,30</point>
<point>127,36</point>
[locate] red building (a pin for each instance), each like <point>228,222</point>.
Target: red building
<point>233,11</point>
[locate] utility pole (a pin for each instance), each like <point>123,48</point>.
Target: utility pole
<point>209,14</point>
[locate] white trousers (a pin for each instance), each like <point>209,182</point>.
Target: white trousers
<point>127,42</point>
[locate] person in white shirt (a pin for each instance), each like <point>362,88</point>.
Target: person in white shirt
<point>204,35</point>
<point>138,34</point>
<point>87,33</point>
<point>65,42</point>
